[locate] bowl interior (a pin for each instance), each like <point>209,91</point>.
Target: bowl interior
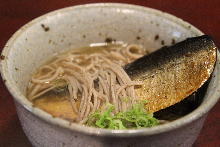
<point>80,26</point>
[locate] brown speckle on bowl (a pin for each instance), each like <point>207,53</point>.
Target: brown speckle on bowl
<point>189,27</point>
<point>173,41</point>
<point>16,69</point>
<point>45,28</point>
<point>162,42</point>
<point>4,80</point>
<point>84,36</point>
<point>75,136</point>
<point>157,24</point>
<point>109,40</point>
<point>156,37</point>
<point>26,39</point>
<point>138,37</point>
<point>2,57</point>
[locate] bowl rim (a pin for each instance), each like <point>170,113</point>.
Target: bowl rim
<point>21,99</point>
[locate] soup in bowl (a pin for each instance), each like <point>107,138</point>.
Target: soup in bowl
<point>87,35</point>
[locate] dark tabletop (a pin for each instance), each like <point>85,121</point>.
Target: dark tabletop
<point>203,14</point>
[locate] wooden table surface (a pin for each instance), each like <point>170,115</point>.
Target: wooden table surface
<point>203,14</point>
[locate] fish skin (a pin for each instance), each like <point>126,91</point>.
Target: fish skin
<point>172,73</point>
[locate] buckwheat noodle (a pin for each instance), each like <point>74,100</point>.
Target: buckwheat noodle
<point>92,79</point>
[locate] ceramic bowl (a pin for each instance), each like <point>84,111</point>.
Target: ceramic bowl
<point>82,25</point>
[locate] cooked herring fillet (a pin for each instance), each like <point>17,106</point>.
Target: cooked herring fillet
<point>172,73</point>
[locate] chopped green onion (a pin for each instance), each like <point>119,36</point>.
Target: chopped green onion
<point>136,117</point>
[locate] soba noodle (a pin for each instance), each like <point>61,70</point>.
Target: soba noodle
<point>92,79</point>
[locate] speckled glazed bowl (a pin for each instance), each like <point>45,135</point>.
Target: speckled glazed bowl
<point>80,26</point>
